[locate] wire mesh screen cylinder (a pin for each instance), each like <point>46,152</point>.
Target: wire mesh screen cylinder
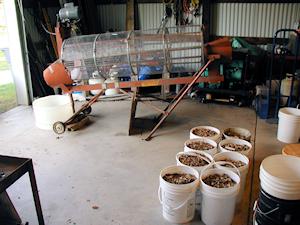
<point>174,50</point>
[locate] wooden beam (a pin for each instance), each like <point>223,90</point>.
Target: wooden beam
<point>130,15</point>
<point>49,27</point>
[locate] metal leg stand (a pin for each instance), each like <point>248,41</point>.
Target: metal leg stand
<point>178,98</point>
<point>72,102</point>
<point>132,112</point>
<point>36,195</point>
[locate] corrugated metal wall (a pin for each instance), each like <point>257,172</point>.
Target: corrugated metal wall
<point>150,16</point>
<point>231,19</point>
<point>253,20</point>
<point>112,16</point>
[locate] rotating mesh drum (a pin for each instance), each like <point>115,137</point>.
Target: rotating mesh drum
<point>173,50</point>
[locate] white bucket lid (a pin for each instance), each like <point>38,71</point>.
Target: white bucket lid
<point>282,168</point>
<point>284,188</point>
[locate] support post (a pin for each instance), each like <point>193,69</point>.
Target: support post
<point>206,21</point>
<point>130,15</point>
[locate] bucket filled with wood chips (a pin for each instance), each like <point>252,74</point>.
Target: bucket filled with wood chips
<point>240,161</point>
<point>205,132</point>
<point>177,193</point>
<point>237,133</point>
<point>202,145</point>
<point>219,188</point>
<point>197,160</point>
<point>235,145</point>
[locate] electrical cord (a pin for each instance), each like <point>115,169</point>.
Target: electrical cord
<point>47,31</point>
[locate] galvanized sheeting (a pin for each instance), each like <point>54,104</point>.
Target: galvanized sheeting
<point>112,16</point>
<point>253,20</point>
<point>151,14</point>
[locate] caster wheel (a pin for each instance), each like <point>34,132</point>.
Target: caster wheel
<point>87,111</point>
<point>59,127</point>
<point>203,100</point>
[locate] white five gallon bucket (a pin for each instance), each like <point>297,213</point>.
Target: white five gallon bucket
<point>216,137</point>
<point>178,200</point>
<point>218,204</point>
<point>235,141</point>
<point>205,156</point>
<point>212,151</point>
<point>279,197</point>
<point>50,109</point>
<point>289,125</point>
<point>239,131</point>
<point>280,176</point>
<point>235,156</point>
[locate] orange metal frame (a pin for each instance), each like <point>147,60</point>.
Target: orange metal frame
<point>57,76</point>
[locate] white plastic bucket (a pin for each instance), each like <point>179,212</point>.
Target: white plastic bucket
<point>238,130</point>
<point>218,204</point>
<point>235,141</point>
<point>212,151</point>
<point>216,138</point>
<point>243,169</point>
<point>280,176</point>
<point>207,157</point>
<point>50,109</point>
<point>288,125</point>
<point>178,200</point>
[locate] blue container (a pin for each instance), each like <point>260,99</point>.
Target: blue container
<point>262,106</point>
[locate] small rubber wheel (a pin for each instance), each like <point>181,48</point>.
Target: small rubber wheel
<point>59,127</point>
<point>87,111</point>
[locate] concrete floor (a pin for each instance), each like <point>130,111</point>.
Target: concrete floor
<point>102,166</point>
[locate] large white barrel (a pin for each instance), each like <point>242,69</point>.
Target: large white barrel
<point>50,109</point>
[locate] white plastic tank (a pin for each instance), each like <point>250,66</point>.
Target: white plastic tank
<point>50,109</point>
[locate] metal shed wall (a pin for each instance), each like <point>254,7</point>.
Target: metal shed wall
<point>112,16</point>
<point>150,16</point>
<point>253,19</point>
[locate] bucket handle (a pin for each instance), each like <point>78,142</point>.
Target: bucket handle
<point>256,209</point>
<point>217,165</point>
<point>220,163</point>
<point>169,207</point>
<point>200,155</point>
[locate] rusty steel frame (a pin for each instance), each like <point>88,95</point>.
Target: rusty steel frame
<point>83,107</point>
<point>178,98</point>
<point>135,84</point>
<point>188,81</point>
